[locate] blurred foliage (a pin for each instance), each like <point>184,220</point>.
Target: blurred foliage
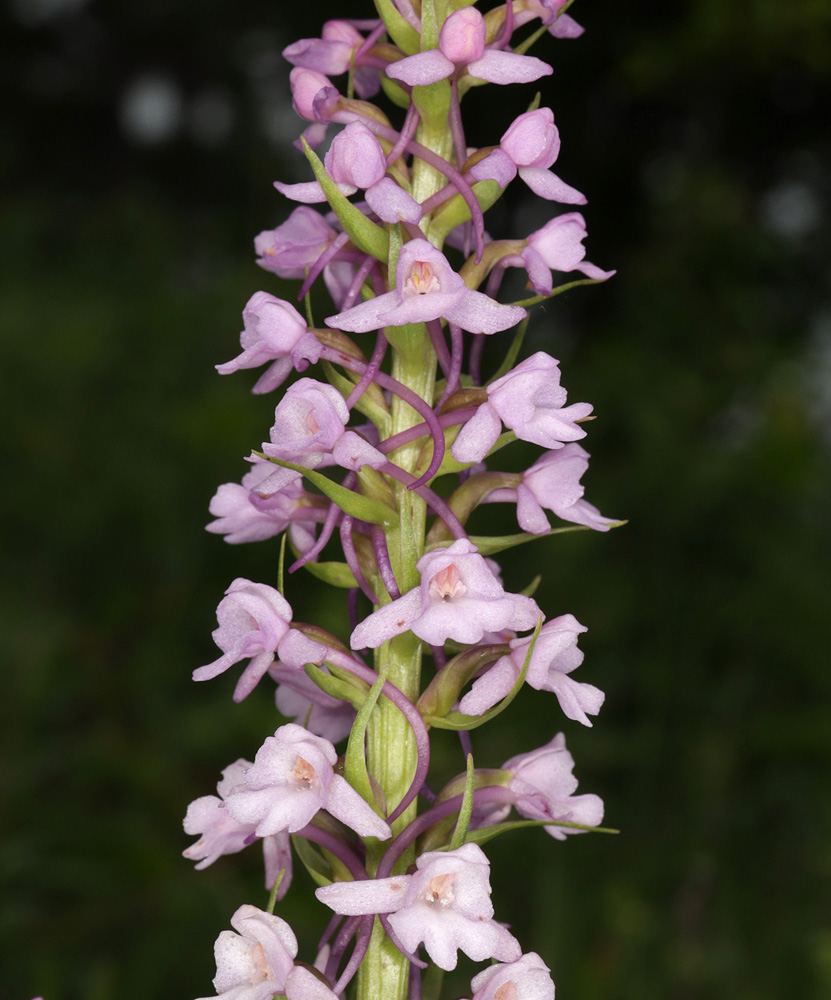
<point>693,128</point>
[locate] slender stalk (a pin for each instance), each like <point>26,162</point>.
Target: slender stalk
<point>391,751</point>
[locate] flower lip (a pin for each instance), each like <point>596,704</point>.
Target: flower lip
<point>439,890</point>
<point>422,279</point>
<point>447,584</point>
<point>422,269</point>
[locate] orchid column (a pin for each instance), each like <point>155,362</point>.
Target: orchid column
<point>415,282</point>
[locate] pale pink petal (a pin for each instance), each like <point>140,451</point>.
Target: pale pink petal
<point>549,186</point>
<point>353,452</point>
<point>363,316</point>
<point>566,27</point>
<point>529,514</point>
<point>479,313</point>
<point>345,804</point>
<point>508,67</point>
<point>377,895</point>
<point>388,621</point>
<point>477,436</point>
<point>304,985</point>
<point>421,69</point>
<point>489,689</point>
<point>391,203</point>
<point>497,166</point>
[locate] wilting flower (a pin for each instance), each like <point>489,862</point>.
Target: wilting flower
<point>219,833</point>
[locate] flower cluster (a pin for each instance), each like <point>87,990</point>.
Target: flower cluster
<point>353,455</point>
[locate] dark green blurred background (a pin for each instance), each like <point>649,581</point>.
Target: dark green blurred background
<point>695,128</point>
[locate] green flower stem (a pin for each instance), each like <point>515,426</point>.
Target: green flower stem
<point>391,750</point>
<point>435,135</point>
<point>390,744</point>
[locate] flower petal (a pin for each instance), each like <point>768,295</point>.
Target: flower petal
<point>421,69</point>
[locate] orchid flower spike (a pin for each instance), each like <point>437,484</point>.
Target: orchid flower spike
<point>398,190</point>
